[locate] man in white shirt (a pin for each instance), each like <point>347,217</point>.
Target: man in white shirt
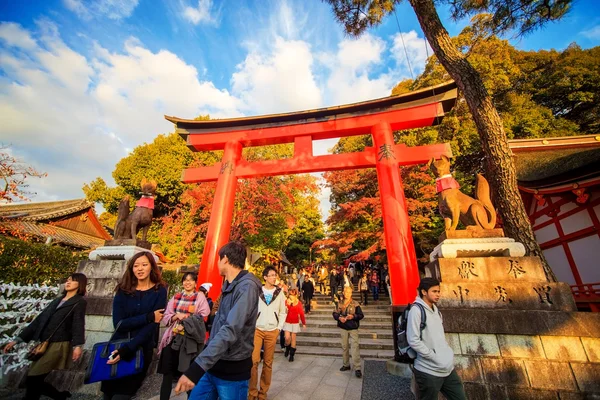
<point>271,317</point>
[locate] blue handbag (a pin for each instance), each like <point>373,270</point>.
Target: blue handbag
<point>98,370</point>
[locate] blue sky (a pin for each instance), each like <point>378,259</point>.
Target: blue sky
<point>84,82</point>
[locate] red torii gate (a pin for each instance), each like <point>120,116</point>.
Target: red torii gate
<point>378,117</point>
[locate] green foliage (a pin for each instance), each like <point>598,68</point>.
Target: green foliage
<point>173,280</point>
<point>522,16</point>
<point>163,160</point>
<point>566,82</point>
<point>26,263</point>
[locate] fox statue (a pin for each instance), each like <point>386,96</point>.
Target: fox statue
<point>129,224</point>
<point>455,206</point>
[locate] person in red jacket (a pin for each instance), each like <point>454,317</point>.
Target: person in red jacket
<point>292,323</point>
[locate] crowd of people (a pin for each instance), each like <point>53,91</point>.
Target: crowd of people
<point>213,349</point>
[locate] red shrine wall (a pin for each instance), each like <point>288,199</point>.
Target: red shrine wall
<point>568,232</point>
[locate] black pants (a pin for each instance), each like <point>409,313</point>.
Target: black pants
<point>117,397</point>
<point>307,304</point>
<point>36,386</point>
<point>430,386</point>
<point>365,294</point>
<point>333,291</point>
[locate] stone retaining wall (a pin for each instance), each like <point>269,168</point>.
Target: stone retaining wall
<point>527,366</point>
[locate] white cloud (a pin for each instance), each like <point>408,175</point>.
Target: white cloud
<point>416,49</point>
<point>593,33</point>
<point>349,80</point>
<point>201,14</point>
<point>112,9</point>
<point>278,80</point>
<point>75,117</point>
<point>16,36</point>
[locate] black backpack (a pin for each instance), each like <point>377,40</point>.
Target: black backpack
<point>403,346</point>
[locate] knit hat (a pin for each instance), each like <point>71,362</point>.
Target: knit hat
<point>206,286</point>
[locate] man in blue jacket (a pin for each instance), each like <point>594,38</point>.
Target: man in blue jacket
<point>223,368</point>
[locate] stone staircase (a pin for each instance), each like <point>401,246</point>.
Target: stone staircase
<point>322,336</point>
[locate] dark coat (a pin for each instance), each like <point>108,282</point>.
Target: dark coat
<point>354,309</point>
<point>135,312</point>
<point>308,289</point>
<point>334,280</point>
<point>72,330</point>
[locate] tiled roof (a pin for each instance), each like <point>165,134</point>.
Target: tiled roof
<point>58,234</point>
<point>44,211</point>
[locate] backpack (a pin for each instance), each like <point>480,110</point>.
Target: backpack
<point>407,354</point>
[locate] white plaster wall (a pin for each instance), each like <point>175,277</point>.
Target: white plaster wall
<point>586,253</point>
<point>560,264</point>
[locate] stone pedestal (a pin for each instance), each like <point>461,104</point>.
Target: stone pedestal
<point>514,335</point>
<point>117,253</point>
<point>477,247</point>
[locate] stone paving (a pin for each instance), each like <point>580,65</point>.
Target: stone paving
<point>309,377</point>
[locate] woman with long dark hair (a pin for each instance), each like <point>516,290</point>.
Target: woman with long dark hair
<point>62,324</point>
<point>138,308</point>
<point>184,337</point>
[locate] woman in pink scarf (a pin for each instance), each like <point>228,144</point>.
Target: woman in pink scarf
<point>185,304</point>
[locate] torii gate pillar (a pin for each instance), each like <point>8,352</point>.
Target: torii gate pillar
<point>402,262</point>
<point>221,214</point>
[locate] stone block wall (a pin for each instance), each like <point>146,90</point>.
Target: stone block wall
<point>498,366</point>
<point>515,335</point>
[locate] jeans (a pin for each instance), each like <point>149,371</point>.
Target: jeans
<point>375,290</point>
<point>212,388</point>
<point>430,386</point>
<point>365,293</point>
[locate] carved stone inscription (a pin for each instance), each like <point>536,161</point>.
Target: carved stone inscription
<point>515,269</point>
<point>461,294</point>
<point>543,292</point>
<point>502,295</point>
<point>467,268</point>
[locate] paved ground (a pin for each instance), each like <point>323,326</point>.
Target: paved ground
<point>308,377</point>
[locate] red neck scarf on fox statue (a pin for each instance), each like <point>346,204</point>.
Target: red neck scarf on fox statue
<point>446,182</point>
<point>147,202</point>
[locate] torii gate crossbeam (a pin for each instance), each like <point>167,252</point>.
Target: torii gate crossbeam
<point>377,117</point>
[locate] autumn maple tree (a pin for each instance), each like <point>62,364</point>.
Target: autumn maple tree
<point>13,177</point>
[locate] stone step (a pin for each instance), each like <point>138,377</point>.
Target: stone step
<point>335,352</point>
<point>362,333</point>
<point>371,318</point>
<point>323,323</point>
<point>381,344</point>
<point>355,295</point>
<point>381,305</point>
<point>366,311</point>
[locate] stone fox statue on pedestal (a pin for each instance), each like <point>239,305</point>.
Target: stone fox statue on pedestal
<point>128,225</point>
<point>478,213</point>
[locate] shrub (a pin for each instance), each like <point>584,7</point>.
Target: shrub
<point>28,263</point>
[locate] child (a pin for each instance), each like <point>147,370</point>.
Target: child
<point>292,323</point>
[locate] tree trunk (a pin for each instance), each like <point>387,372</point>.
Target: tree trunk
<point>499,166</point>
